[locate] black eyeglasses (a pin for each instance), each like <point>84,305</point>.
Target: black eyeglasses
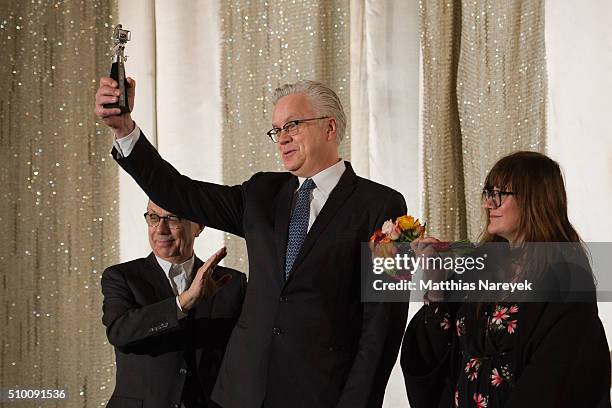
<point>153,220</point>
<point>495,195</point>
<point>290,128</point>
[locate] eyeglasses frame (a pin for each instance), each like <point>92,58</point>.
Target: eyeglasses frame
<point>166,218</point>
<point>276,132</point>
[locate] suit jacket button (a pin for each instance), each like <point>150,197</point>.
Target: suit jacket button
<point>276,331</point>
<point>284,299</point>
<point>182,371</point>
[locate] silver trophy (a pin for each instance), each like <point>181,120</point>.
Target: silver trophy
<point>120,38</point>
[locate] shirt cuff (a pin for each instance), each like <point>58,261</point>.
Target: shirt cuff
<point>125,145</point>
<point>179,310</point>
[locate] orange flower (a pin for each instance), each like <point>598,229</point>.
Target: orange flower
<point>406,222</point>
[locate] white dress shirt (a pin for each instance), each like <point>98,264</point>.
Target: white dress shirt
<point>325,181</point>
<point>179,276</point>
<point>125,145</point>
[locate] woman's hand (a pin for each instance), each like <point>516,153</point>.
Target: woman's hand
<point>427,248</point>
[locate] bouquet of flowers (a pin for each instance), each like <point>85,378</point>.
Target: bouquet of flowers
<point>405,229</point>
<point>383,243</point>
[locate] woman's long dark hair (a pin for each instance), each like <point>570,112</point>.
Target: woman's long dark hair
<point>539,190</point>
<point>540,194</point>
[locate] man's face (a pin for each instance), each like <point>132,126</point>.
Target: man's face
<point>313,148</point>
<point>174,245</point>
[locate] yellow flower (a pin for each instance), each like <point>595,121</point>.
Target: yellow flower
<point>406,222</point>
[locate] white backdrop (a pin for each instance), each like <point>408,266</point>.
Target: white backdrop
<point>579,53</point>
<point>174,56</point>
<point>385,94</point>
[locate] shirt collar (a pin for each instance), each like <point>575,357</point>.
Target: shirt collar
<point>327,179</point>
<point>186,266</point>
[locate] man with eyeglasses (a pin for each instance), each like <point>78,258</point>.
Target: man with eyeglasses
<point>169,316</point>
<point>304,338</point>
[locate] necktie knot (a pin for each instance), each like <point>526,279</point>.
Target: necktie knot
<point>307,186</point>
<point>178,278</point>
<point>175,270</point>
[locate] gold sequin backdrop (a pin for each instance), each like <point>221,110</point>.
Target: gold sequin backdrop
<point>267,44</point>
<point>484,75</point>
<point>59,199</point>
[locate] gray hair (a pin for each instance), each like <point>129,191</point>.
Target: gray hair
<point>324,101</point>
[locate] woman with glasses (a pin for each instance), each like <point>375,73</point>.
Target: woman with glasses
<point>501,350</point>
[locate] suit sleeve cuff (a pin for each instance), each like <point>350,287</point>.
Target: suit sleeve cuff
<point>180,314</point>
<point>125,145</point>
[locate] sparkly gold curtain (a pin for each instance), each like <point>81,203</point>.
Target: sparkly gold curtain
<point>59,199</point>
<point>444,203</point>
<point>484,76</point>
<point>264,45</point>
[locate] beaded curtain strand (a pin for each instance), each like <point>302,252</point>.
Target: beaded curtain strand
<point>484,73</point>
<point>264,45</point>
<point>59,199</point>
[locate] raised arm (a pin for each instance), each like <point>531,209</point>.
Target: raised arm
<point>213,205</point>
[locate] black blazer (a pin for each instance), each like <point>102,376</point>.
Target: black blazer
<point>309,341</point>
<point>140,315</point>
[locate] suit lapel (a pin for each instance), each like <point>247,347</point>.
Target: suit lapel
<point>336,199</point>
<point>282,215</point>
<point>155,275</point>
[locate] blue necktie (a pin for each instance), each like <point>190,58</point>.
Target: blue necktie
<point>298,226</point>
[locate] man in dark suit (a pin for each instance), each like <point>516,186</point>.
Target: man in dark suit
<point>169,317</point>
<point>304,338</point>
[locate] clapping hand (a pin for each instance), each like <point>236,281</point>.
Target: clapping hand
<point>204,285</point>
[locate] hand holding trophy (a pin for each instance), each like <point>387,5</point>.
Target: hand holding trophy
<point>120,38</point>
<point>115,96</point>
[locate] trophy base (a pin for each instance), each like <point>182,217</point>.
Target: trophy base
<point>123,103</point>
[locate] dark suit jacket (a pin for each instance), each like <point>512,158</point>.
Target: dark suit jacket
<point>140,315</point>
<point>309,341</point>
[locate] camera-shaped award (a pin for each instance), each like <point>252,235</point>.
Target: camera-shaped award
<point>120,38</point>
